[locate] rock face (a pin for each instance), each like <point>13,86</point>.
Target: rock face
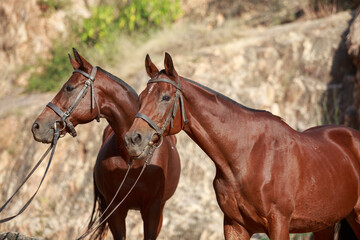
<point>285,69</point>
<point>352,113</point>
<point>23,37</point>
<point>26,35</point>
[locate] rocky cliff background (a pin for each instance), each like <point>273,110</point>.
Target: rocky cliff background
<point>299,69</point>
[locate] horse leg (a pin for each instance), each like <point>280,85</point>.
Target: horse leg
<point>354,221</point>
<point>234,230</point>
<point>117,224</point>
<point>152,216</point>
<point>278,226</point>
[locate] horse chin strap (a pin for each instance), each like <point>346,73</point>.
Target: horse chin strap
<point>170,117</point>
<point>64,115</point>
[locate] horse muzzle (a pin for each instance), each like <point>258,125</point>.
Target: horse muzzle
<point>42,132</point>
<point>138,145</point>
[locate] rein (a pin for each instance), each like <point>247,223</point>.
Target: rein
<point>170,117</point>
<point>52,146</point>
<point>94,228</point>
<point>66,122</point>
<point>64,115</point>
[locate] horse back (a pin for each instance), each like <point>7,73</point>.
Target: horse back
<point>328,163</point>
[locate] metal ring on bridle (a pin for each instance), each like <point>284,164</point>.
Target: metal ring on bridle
<point>59,121</point>
<point>159,142</point>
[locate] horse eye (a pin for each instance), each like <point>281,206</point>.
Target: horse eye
<point>165,98</point>
<point>69,88</point>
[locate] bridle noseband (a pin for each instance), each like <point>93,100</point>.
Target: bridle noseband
<point>170,117</point>
<point>64,115</point>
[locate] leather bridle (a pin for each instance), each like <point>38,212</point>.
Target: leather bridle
<point>172,113</point>
<point>64,115</point>
<point>66,122</point>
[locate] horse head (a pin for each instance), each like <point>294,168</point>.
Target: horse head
<point>72,105</point>
<point>161,109</point>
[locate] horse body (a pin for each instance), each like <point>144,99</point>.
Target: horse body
<point>265,167</point>
<point>118,103</point>
<point>269,177</point>
<point>110,165</point>
<point>149,195</point>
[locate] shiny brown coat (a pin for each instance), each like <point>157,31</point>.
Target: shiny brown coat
<point>118,104</point>
<point>269,177</point>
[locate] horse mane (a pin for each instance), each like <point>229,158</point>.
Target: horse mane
<point>230,100</point>
<point>118,80</point>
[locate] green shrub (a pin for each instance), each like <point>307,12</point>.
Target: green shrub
<point>142,15</point>
<point>55,71</point>
<point>97,34</point>
<point>137,16</point>
<point>99,26</point>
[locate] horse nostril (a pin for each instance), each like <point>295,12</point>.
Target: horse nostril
<point>133,139</point>
<point>136,138</point>
<point>35,126</point>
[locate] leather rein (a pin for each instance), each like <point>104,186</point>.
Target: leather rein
<point>172,113</point>
<point>52,146</point>
<point>67,123</point>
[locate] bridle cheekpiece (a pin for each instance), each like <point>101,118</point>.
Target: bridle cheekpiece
<point>64,115</point>
<point>170,117</point>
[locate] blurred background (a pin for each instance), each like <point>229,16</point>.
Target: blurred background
<point>297,59</point>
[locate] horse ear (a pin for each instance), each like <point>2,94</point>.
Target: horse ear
<point>83,63</point>
<point>169,66</point>
<point>74,63</point>
<point>150,67</point>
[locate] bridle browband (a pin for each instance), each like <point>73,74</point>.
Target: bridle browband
<point>170,117</point>
<point>64,115</point>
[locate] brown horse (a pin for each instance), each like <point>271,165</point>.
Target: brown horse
<point>269,177</point>
<point>118,103</point>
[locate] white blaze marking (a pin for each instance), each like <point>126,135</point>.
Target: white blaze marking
<point>151,88</point>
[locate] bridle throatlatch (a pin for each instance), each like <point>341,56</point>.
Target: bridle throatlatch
<point>64,115</point>
<point>172,113</point>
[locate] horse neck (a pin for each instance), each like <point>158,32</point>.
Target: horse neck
<point>118,104</point>
<point>221,127</point>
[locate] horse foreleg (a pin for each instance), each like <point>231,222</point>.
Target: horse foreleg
<point>234,230</point>
<point>117,224</point>
<point>278,228</point>
<point>152,216</point>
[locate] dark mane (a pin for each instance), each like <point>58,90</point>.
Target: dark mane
<point>118,80</point>
<point>225,97</point>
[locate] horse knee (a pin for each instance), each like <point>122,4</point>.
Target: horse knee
<point>233,230</point>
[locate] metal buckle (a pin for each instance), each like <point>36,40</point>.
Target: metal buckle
<point>159,142</point>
